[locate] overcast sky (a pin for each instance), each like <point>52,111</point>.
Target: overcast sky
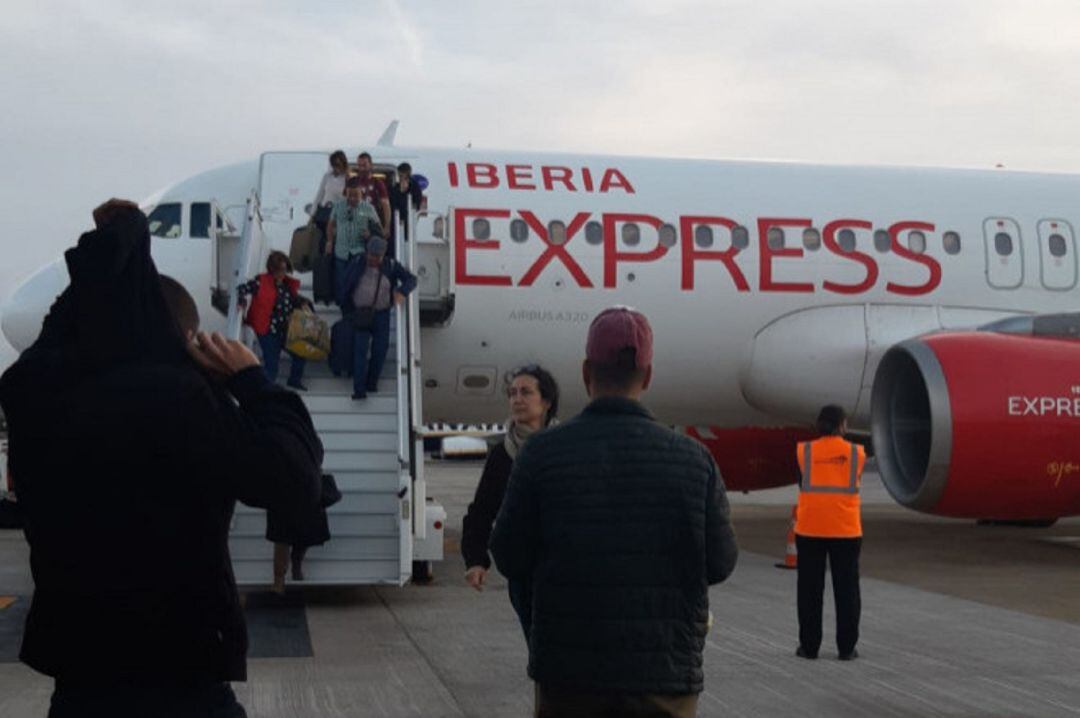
<point>120,97</point>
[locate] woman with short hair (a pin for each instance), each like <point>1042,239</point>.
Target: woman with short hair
<point>274,296</point>
<point>534,403</point>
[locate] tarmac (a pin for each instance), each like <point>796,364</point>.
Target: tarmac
<point>958,620</point>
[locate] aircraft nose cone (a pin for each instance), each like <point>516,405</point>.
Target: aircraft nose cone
<point>21,315</point>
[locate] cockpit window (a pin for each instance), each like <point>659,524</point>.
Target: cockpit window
<point>165,220</point>
<point>200,219</point>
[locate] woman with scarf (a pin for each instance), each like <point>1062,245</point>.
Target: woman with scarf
<point>534,402</point>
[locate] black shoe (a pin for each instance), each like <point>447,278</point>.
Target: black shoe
<point>373,388</point>
<point>359,397</point>
<point>803,653</point>
<point>850,656</point>
<point>297,385</point>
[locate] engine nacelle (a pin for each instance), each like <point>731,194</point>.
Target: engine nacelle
<point>980,424</point>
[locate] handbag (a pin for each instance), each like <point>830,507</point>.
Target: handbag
<point>363,319</point>
<point>330,493</point>
<point>308,335</point>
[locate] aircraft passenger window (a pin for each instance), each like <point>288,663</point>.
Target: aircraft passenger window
<point>519,231</point>
<point>1003,244</point>
<point>594,233</point>
<point>481,228</point>
<point>200,220</point>
<point>740,237</point>
<point>631,234</point>
<point>952,242</point>
<point>811,238</point>
<point>916,242</point>
<point>775,238</point>
<point>882,241</point>
<point>1057,245</point>
<point>557,232</point>
<point>165,220</point>
<point>703,236</point>
<point>846,239</point>
<point>667,236</point>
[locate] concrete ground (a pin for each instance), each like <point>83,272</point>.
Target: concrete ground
<point>958,620</point>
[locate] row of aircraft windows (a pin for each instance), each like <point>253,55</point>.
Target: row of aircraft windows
<point>704,236</point>
<point>777,238</point>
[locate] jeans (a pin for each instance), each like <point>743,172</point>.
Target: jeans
<point>843,556</point>
<point>365,373</point>
<point>271,345</point>
<point>137,700</point>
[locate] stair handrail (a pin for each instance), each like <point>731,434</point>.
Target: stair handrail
<point>247,240</point>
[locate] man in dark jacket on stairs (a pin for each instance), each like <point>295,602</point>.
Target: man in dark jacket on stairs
<point>621,524</point>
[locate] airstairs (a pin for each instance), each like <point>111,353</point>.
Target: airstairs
<point>384,528</point>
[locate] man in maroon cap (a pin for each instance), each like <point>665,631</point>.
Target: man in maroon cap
<point>621,525</point>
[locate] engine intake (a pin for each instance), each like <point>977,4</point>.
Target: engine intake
<point>980,425</point>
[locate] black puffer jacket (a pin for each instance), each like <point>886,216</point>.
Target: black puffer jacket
<point>622,525</point>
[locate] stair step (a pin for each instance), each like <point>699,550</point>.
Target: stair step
<point>336,549</point>
<point>344,404</point>
<point>367,481</point>
<point>341,525</point>
<point>360,441</point>
<point>326,423</point>
<point>325,572</point>
<point>334,461</point>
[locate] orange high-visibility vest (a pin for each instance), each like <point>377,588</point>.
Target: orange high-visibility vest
<point>829,491</point>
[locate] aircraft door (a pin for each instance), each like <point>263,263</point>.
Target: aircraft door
<point>288,182</point>
<point>1004,253</point>
<point>1057,254</point>
<point>434,269</point>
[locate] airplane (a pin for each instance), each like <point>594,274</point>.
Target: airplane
<point>933,304</point>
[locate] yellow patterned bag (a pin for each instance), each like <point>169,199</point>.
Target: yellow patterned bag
<point>308,335</point>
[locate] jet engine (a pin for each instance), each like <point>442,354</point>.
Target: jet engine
<point>983,424</point>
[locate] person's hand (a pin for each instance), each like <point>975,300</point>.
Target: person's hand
<point>365,233</point>
<point>330,247</point>
<point>108,211</point>
<point>475,577</point>
<point>220,356</point>
<point>398,297</point>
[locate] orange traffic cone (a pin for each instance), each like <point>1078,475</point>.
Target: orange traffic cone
<point>791,555</point>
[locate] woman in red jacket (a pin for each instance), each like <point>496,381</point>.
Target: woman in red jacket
<point>274,296</point>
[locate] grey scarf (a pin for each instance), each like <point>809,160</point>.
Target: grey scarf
<point>516,435</point>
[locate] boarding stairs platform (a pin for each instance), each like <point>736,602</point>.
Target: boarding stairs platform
<point>384,530</point>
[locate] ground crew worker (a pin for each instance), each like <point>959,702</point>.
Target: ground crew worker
<point>828,524</point>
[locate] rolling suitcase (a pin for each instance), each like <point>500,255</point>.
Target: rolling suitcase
<point>322,280</point>
<point>341,348</point>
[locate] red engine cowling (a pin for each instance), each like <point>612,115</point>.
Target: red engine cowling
<point>980,425</point>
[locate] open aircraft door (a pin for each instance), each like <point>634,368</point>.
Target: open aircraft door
<point>288,182</point>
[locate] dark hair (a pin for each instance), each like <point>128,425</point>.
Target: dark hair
<point>352,183</point>
<point>619,377</point>
<point>362,155</point>
<point>339,156</point>
<point>829,419</point>
<point>277,258</point>
<point>545,382</point>
<point>181,305</point>
<point>405,167</point>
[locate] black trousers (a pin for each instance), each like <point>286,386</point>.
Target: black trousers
<point>132,700</point>
<point>843,556</point>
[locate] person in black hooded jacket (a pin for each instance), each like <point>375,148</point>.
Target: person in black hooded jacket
<point>131,438</point>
